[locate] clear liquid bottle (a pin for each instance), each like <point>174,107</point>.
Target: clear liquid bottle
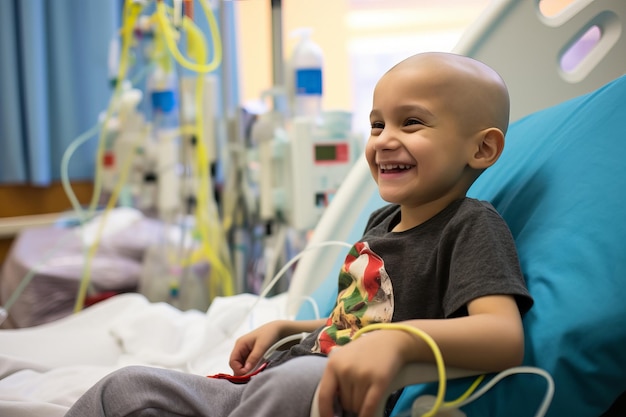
<point>163,87</point>
<point>306,67</point>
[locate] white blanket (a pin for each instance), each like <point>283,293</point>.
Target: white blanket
<point>44,369</point>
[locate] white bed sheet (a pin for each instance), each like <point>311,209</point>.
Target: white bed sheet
<point>44,369</point>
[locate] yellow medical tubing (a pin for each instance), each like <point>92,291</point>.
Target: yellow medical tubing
<point>170,39</point>
<point>69,151</point>
<point>211,231</point>
<point>84,283</point>
<point>132,10</point>
<point>441,370</point>
<point>131,13</point>
<point>465,395</point>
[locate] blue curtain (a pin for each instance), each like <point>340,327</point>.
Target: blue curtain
<point>54,83</point>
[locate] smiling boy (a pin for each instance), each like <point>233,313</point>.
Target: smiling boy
<point>438,120</point>
<point>432,258</point>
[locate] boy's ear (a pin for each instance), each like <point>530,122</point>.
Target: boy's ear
<point>487,148</point>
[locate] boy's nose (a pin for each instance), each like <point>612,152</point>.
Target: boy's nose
<point>387,140</point>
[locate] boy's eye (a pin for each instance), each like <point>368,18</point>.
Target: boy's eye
<point>378,125</point>
<point>413,122</point>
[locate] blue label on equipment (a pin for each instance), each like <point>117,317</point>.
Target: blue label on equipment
<point>309,81</point>
<point>163,100</point>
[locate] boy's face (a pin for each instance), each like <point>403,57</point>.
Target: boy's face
<point>420,140</point>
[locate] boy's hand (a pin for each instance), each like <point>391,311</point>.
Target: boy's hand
<point>360,372</point>
<point>249,348</point>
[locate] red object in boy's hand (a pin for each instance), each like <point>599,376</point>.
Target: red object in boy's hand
<point>242,379</point>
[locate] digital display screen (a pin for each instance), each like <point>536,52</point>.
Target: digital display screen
<point>325,152</point>
<point>331,153</point>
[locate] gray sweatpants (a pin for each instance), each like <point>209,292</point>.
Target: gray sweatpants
<point>136,391</point>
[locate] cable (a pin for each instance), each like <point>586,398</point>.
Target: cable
<point>547,399</point>
<point>282,271</point>
<point>441,392</point>
<point>459,401</point>
<point>71,149</point>
<point>273,282</point>
<point>84,283</point>
<point>76,206</point>
<point>287,339</point>
<point>285,267</point>
<point>209,227</point>
<point>131,13</point>
<point>65,160</point>
<point>207,218</point>
<point>271,251</point>
<point>162,20</point>
<point>132,10</point>
<point>441,370</point>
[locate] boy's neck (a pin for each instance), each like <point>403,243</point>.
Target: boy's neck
<point>411,217</point>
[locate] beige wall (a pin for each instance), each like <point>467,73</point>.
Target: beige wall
<point>335,24</point>
<point>326,17</point>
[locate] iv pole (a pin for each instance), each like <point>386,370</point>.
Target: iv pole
<point>231,116</point>
<point>277,42</point>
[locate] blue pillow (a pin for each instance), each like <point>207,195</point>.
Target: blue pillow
<point>561,186</point>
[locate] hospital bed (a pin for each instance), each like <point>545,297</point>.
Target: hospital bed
<point>559,184</point>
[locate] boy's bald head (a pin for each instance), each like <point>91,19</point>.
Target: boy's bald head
<point>472,89</point>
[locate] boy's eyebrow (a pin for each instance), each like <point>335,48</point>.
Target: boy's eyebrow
<point>416,107</point>
<point>407,108</point>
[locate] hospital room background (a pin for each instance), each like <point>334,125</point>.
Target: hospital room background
<point>170,168</point>
<point>357,41</point>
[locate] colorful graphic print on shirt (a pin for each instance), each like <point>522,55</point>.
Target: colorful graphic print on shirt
<point>365,297</point>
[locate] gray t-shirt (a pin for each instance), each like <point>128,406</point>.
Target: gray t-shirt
<point>431,271</point>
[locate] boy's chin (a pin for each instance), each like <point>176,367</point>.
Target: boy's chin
<point>391,199</point>
<point>392,195</point>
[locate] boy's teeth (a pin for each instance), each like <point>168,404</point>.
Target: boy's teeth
<point>394,166</point>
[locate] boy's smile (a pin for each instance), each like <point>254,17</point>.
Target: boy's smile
<point>388,168</point>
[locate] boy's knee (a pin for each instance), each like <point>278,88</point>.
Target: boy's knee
<point>130,374</point>
<point>124,381</point>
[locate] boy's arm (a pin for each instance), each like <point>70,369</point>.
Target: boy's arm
<point>298,326</point>
<point>489,339</point>
<point>250,347</point>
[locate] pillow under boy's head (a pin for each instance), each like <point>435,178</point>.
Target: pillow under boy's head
<point>561,186</point>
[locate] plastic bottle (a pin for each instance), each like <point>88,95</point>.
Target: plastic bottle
<point>122,128</point>
<point>306,67</point>
<point>163,89</point>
